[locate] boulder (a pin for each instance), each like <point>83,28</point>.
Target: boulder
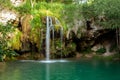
<point>9,16</point>
<point>17,3</point>
<point>96,47</point>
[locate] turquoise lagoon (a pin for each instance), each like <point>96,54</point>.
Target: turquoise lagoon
<point>60,70</point>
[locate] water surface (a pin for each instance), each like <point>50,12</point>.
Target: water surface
<point>68,70</point>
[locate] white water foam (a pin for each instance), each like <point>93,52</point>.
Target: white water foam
<point>53,61</point>
<point>45,61</point>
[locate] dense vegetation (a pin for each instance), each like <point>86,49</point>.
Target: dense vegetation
<point>104,12</point>
<point>107,10</point>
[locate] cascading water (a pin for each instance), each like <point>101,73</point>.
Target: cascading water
<point>47,39</point>
<point>61,37</point>
<point>50,26</point>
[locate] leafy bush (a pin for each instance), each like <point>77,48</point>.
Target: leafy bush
<point>6,3</point>
<point>108,9</point>
<point>87,50</point>
<point>24,8</point>
<point>101,51</point>
<point>5,51</point>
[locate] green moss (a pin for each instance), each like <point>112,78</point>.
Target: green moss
<point>15,41</point>
<point>6,41</point>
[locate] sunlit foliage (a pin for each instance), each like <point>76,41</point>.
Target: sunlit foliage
<point>107,10</point>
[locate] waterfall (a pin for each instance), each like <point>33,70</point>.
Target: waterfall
<point>49,27</point>
<point>47,39</point>
<point>61,38</point>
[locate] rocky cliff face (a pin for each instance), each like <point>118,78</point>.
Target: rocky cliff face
<point>85,34</point>
<point>96,38</point>
<point>8,17</point>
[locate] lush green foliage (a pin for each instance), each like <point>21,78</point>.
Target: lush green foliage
<point>5,3</point>
<point>66,14</point>
<point>105,9</point>
<point>104,12</point>
<point>5,51</point>
<point>24,8</point>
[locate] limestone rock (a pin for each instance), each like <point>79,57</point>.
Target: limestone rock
<point>17,3</point>
<point>96,47</point>
<point>108,54</point>
<point>8,16</point>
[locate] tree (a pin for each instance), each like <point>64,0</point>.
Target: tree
<point>106,10</point>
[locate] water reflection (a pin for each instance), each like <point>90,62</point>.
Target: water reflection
<point>60,70</point>
<point>9,73</point>
<point>47,72</point>
<point>2,66</point>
